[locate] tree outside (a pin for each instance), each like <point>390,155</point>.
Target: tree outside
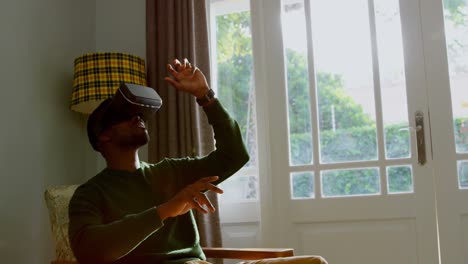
<point>347,133</point>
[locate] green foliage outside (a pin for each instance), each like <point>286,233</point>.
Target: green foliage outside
<point>347,133</point>
<point>399,179</point>
<point>460,126</point>
<point>456,12</point>
<point>235,64</point>
<point>463,174</point>
<point>234,57</point>
<point>303,185</point>
<point>350,182</point>
<point>352,144</point>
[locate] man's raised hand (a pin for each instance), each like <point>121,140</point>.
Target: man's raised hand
<point>187,78</point>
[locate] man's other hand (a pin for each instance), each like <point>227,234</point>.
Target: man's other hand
<point>187,78</point>
<point>191,197</point>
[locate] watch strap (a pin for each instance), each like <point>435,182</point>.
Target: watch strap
<point>207,98</point>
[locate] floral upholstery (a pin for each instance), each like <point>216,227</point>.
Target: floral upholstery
<point>57,200</point>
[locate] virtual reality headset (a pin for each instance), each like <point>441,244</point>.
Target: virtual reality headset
<point>132,99</point>
<point>129,100</point>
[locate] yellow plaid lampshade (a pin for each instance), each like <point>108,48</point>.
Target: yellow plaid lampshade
<point>97,76</point>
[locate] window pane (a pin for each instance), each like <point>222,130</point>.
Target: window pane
<point>399,179</point>
<point>463,174</point>
<point>456,32</point>
<point>344,80</point>
<point>392,78</point>
<point>302,185</point>
<point>350,182</point>
<point>235,74</point>
<point>295,44</point>
<point>234,85</point>
<point>239,188</point>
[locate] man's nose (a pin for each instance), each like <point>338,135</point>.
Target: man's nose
<point>137,118</point>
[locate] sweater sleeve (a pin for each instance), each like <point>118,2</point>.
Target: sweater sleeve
<point>94,241</point>
<point>230,153</point>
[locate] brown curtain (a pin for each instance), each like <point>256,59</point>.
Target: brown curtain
<point>179,29</point>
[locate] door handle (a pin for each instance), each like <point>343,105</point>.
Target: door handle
<point>420,140</point>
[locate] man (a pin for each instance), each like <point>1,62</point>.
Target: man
<point>134,212</point>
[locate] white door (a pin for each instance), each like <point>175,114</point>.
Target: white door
<point>334,95</point>
<point>445,31</point>
<point>368,199</point>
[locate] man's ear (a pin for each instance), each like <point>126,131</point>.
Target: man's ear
<point>104,137</point>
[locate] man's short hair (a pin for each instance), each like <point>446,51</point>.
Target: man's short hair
<point>98,121</point>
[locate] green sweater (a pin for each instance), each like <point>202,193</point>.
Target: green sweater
<point>113,216</point>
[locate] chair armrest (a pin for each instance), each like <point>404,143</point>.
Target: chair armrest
<point>248,253</point>
<point>234,253</point>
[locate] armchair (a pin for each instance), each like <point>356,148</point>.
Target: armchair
<point>58,198</point>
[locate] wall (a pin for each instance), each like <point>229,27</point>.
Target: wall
<point>42,142</point>
<point>121,27</point>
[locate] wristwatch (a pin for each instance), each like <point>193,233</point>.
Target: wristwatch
<point>207,98</point>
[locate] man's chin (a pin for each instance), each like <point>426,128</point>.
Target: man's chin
<point>138,141</point>
<point>143,141</point>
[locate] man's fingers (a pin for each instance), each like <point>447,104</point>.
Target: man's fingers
<point>214,188</point>
<point>205,184</point>
<point>195,204</point>
<point>186,63</point>
<point>201,199</point>
<point>172,82</point>
<point>177,64</point>
<point>172,71</point>
<point>209,179</point>
<point>208,203</point>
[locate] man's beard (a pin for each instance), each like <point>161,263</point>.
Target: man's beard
<point>135,141</point>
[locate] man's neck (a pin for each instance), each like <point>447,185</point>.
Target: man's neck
<point>123,160</point>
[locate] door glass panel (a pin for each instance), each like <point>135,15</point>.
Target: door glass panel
<point>295,45</point>
<point>344,80</point>
<point>392,78</point>
<point>399,179</point>
<point>463,174</point>
<point>350,182</point>
<point>456,32</point>
<point>302,185</point>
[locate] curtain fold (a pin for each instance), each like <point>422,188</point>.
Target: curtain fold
<point>179,29</point>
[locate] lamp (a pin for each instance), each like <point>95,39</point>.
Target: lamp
<point>97,76</point>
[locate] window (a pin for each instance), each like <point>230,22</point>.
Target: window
<point>339,91</point>
<point>232,62</point>
<point>347,116</point>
